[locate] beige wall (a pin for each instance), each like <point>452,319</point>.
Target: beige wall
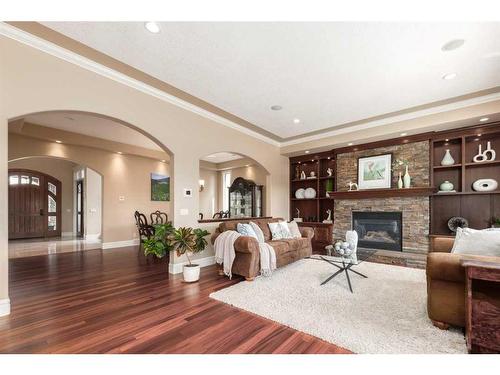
<point>209,197</point>
<point>125,176</point>
<point>63,171</point>
<point>93,204</point>
<point>33,81</point>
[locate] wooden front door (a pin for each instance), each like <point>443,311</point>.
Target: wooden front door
<point>34,204</point>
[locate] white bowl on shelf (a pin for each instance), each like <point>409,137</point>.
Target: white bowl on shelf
<point>310,193</point>
<point>300,193</point>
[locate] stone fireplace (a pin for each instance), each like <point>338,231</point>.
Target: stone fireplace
<point>414,213</point>
<point>379,230</point>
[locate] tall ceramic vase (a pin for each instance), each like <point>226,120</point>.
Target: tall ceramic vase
<point>407,179</point>
<point>400,181</point>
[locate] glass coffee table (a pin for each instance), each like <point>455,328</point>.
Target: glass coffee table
<point>343,264</point>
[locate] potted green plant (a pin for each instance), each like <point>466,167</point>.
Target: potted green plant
<point>158,244</point>
<point>188,241</point>
<point>183,241</point>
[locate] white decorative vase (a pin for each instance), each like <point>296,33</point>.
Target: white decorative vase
<point>407,179</point>
<point>400,182</point>
<point>447,159</point>
<point>191,273</point>
<point>446,186</point>
<point>485,184</point>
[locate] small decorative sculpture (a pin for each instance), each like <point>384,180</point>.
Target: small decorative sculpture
<point>297,219</point>
<point>329,218</point>
<point>487,155</point>
<point>297,172</point>
<point>352,186</point>
<point>329,172</point>
<point>312,174</point>
<point>302,175</point>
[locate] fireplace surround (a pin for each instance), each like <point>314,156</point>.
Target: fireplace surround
<point>379,230</point>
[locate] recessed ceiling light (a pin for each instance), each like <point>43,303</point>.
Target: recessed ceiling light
<point>152,27</point>
<point>479,135</point>
<point>247,165</point>
<point>296,121</point>
<point>58,141</point>
<point>452,44</point>
<point>276,107</point>
<point>163,160</point>
<point>403,134</point>
<point>446,140</point>
<point>449,76</point>
<point>307,151</point>
<point>484,119</point>
<point>350,144</point>
<point>119,152</point>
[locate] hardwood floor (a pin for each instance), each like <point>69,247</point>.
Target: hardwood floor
<point>116,301</point>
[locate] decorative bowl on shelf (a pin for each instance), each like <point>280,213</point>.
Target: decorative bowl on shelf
<point>300,193</point>
<point>310,193</point>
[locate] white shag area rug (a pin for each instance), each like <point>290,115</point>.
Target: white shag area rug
<point>386,314</point>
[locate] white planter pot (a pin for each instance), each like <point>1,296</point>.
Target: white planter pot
<point>191,273</point>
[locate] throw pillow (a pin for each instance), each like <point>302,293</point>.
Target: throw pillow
<point>279,230</point>
<point>294,229</point>
<point>477,242</point>
<point>246,230</point>
<point>258,232</point>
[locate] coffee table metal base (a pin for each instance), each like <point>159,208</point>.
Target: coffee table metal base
<point>344,268</point>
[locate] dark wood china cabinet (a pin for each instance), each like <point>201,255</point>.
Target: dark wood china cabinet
<point>245,199</point>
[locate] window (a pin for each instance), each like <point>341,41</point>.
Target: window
<point>52,222</point>
<point>226,184</point>
<point>52,205</point>
<point>35,181</point>
<point>52,188</point>
<point>13,180</point>
<point>25,180</point>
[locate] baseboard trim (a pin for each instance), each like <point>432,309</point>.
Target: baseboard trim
<point>176,268</point>
<point>112,245</point>
<point>4,307</point>
<point>67,234</point>
<point>93,237</point>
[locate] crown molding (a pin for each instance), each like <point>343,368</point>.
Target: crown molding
<point>83,62</point>
<point>398,118</point>
<point>88,64</point>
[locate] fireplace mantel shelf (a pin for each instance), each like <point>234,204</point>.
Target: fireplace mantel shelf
<point>383,193</point>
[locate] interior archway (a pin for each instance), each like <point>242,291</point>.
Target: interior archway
<point>218,171</point>
<point>125,158</point>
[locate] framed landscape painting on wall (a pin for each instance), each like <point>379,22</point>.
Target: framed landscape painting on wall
<point>160,187</point>
<point>374,172</point>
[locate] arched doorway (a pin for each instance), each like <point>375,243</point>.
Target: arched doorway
<point>34,204</point>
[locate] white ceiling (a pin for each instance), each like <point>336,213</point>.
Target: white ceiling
<point>93,126</point>
<point>325,74</point>
<point>222,157</point>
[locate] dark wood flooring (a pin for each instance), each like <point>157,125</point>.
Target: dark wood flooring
<point>116,301</point>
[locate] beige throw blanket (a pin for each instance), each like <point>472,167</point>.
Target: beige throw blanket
<point>225,254</point>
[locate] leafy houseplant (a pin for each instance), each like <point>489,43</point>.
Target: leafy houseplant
<point>158,245</point>
<point>188,241</point>
<point>495,222</point>
<point>181,240</point>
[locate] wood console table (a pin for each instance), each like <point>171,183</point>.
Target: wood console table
<point>482,306</point>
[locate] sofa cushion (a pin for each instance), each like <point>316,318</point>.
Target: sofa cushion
<point>279,230</point>
<point>246,230</point>
<point>258,232</point>
<point>294,229</point>
<point>477,242</point>
<point>295,244</point>
<point>280,247</point>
